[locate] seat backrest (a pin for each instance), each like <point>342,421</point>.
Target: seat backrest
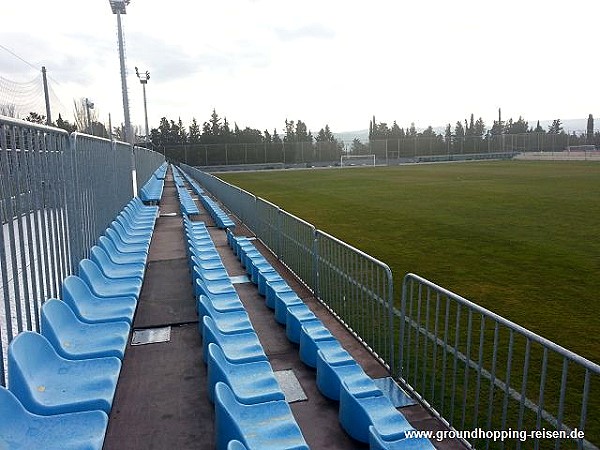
<point>11,411</point>
<point>230,411</point>
<point>236,445</point>
<point>108,245</point>
<point>75,291</point>
<point>29,356</point>
<point>56,316</point>
<point>90,272</point>
<point>115,237</point>
<point>119,228</point>
<point>221,365</point>
<point>100,257</point>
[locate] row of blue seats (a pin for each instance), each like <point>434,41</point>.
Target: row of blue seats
<point>186,202</point>
<point>365,413</point>
<point>177,177</point>
<point>62,381</point>
<point>151,191</point>
<point>222,220</point>
<point>250,407</point>
<point>195,186</point>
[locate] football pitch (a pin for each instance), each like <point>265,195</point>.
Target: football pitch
<point>519,238</point>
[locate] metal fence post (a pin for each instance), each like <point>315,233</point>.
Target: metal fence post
<point>316,263</point>
<point>402,327</point>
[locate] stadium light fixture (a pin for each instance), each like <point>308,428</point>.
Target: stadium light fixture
<point>119,7</point>
<point>89,105</point>
<point>144,77</point>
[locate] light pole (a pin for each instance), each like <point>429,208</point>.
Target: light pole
<point>89,105</point>
<point>119,7</point>
<point>144,77</point>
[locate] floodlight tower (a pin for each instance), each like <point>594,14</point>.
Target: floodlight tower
<point>89,105</point>
<point>119,7</point>
<point>144,77</point>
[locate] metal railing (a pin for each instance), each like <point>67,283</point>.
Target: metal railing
<point>58,193</point>
<point>469,366</point>
<point>355,287</point>
<point>476,369</point>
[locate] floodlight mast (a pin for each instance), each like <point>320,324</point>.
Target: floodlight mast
<point>89,105</point>
<point>119,7</point>
<point>144,77</point>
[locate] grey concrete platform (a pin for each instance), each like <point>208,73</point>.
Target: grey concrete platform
<point>161,400</point>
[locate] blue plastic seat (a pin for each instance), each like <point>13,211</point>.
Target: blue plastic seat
<point>283,300</point>
<point>296,316</point>
<point>134,220</point>
<point>113,270</point>
<point>207,263</point>
<point>130,235</point>
<point>376,442</point>
<point>74,339</point>
<point>93,309</point>
<point>237,347</point>
<point>236,445</point>
<point>46,383</point>
<point>211,274</point>
<point>361,406</point>
<point>123,246</point>
<point>264,277</point>
<point>259,266</point>
<point>118,256</point>
<point>311,335</point>
<point>23,430</point>
<point>211,288</point>
<point>264,426</point>
<point>229,322</point>
<point>335,364</point>
<point>252,382</point>
<point>220,303</point>
<point>102,286</point>
<point>273,288</point>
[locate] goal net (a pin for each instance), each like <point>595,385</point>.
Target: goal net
<point>357,160</point>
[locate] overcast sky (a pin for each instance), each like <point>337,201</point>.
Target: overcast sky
<point>259,62</point>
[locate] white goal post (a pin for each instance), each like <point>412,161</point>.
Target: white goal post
<point>357,160</point>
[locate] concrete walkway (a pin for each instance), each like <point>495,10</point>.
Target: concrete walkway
<point>161,400</point>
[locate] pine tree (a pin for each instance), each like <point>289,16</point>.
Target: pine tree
<point>194,132</point>
<point>590,130</point>
<point>556,127</point>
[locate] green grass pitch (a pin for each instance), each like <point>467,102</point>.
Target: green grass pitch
<point>519,238</point>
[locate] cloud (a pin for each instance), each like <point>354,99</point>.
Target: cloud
<point>310,31</point>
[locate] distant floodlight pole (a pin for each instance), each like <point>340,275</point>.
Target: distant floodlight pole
<point>144,77</point>
<point>118,8</point>
<point>89,105</point>
<point>46,97</point>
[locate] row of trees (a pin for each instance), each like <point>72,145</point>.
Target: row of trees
<point>471,136</point>
<point>218,130</point>
<point>472,127</point>
<point>217,141</point>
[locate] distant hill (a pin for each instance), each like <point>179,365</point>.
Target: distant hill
<point>569,125</point>
<point>348,136</point>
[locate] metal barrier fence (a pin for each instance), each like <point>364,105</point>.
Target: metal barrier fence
<point>470,367</point>
<point>58,193</point>
<point>476,369</point>
<point>357,288</point>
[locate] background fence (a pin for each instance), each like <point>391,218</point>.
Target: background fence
<point>58,193</point>
<point>386,151</point>
<point>469,366</point>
